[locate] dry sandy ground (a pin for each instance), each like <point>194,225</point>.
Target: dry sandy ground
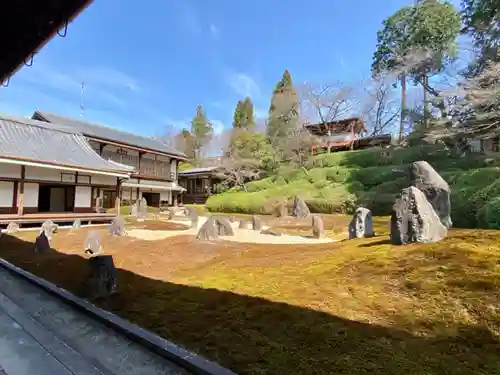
<point>240,235</point>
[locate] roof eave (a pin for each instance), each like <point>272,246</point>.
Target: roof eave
<point>35,163</point>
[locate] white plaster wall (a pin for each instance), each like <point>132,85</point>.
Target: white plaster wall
<point>10,170</point>
<point>103,180</point>
<point>166,196</point>
<point>83,195</point>
<point>31,195</point>
<point>43,174</point>
<point>6,193</point>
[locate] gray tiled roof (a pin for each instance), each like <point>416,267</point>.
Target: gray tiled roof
<point>198,170</point>
<point>24,138</point>
<point>104,132</point>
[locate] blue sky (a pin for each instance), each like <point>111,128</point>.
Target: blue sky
<point>147,64</point>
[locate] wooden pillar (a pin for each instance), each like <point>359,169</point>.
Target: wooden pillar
<point>118,199</point>
<point>20,198</point>
<point>101,148</point>
<point>155,162</point>
<point>140,158</point>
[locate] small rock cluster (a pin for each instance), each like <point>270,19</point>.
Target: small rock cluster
<point>214,227</point>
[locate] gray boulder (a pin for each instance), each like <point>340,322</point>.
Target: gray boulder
<point>208,231</point>
<point>271,232</point>
<point>214,227</point>
<point>223,225</point>
<point>49,228</point>
<point>414,220</point>
<point>92,244</point>
<point>361,224</point>
<point>42,243</point>
<point>435,188</point>
<point>133,210</point>
<point>244,224</point>
<point>12,228</point>
<point>318,229</point>
<point>117,227</point>
<point>256,223</point>
<point>77,224</point>
<point>193,216</point>
<point>300,209</point>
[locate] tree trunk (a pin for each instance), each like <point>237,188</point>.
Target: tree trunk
<point>425,79</point>
<point>403,106</point>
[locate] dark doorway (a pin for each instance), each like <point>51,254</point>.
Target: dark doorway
<point>108,199</point>
<point>56,198</point>
<point>153,199</point>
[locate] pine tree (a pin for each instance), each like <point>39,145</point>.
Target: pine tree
<point>248,115</point>
<point>283,111</point>
<point>201,129</point>
<point>238,121</point>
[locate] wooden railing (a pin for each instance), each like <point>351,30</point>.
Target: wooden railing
<point>148,167</point>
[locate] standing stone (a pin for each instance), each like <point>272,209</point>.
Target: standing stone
<point>42,243</point>
<point>256,222</point>
<point>117,227</point>
<point>361,224</point>
<point>101,280</point>
<point>282,210</point>
<point>244,224</point>
<point>318,229</point>
<point>214,227</point>
<point>143,209</point>
<point>49,228</point>
<point>208,231</point>
<point>77,224</point>
<point>414,220</point>
<point>92,244</point>
<point>133,210</point>
<point>435,188</point>
<point>193,216</point>
<point>300,209</point>
<point>170,214</point>
<point>12,228</point>
<point>223,226</point>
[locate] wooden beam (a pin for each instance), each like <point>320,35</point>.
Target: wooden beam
<point>155,162</point>
<point>20,199</point>
<point>101,148</point>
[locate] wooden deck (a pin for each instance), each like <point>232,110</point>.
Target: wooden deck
<point>60,217</point>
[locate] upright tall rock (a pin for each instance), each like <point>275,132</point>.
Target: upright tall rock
<point>300,209</point>
<point>435,188</point>
<point>318,230</point>
<point>414,220</point>
<point>361,224</point>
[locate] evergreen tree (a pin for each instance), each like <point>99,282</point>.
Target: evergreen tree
<point>238,121</point>
<point>248,115</point>
<point>283,111</point>
<point>201,129</point>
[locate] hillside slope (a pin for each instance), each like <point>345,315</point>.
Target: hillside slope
<point>341,181</point>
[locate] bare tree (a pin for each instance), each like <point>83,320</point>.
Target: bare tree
<point>327,102</point>
<point>474,109</point>
<point>381,108</point>
<point>297,147</point>
<point>237,171</point>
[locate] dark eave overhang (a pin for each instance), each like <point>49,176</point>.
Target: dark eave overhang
<point>27,25</point>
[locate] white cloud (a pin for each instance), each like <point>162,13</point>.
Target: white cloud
<point>214,31</point>
<point>244,85</point>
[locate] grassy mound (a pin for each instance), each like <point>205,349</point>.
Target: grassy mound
<point>339,182</point>
<point>352,307</point>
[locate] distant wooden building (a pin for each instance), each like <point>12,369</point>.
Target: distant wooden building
<point>346,134</point>
<point>199,183</point>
